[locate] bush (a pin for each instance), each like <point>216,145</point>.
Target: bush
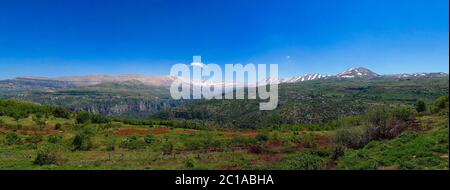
<point>149,138</point>
<point>61,112</point>
<point>420,106</point>
<point>54,138</point>
<point>12,138</point>
<point>82,117</point>
<point>167,148</point>
<point>377,116</point>
<point>350,137</point>
<point>58,126</point>
<point>82,141</point>
<point>99,119</point>
<point>403,114</point>
<point>132,142</point>
<point>257,149</point>
<point>34,139</point>
<point>110,146</point>
<point>189,162</point>
<point>305,161</point>
<point>441,102</point>
<point>48,155</point>
<point>261,137</point>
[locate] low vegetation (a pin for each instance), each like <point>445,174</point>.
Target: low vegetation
<point>382,137</point>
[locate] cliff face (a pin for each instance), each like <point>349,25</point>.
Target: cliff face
<point>132,109</point>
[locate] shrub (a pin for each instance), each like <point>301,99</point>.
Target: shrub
<point>167,148</point>
<point>99,119</point>
<point>441,102</point>
<point>149,138</point>
<point>420,106</point>
<point>54,138</point>
<point>34,139</point>
<point>382,124</point>
<point>82,141</point>
<point>305,160</point>
<point>257,149</point>
<point>82,117</point>
<point>261,137</point>
<point>61,112</point>
<point>12,138</point>
<point>350,137</point>
<point>48,155</point>
<point>132,142</point>
<point>377,116</point>
<point>110,146</point>
<point>403,114</point>
<point>58,126</point>
<point>189,162</point>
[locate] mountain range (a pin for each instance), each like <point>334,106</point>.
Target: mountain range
<point>44,83</point>
<point>138,96</point>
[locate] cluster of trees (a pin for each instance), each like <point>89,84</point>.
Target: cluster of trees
<point>382,123</point>
<point>19,110</point>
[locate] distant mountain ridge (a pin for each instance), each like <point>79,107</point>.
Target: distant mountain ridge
<point>361,72</point>
<point>44,83</point>
<point>137,96</point>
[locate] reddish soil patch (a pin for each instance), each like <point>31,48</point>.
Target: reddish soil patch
<point>269,159</point>
<point>160,131</point>
<point>323,141</point>
<point>250,133</point>
<point>299,146</point>
<point>232,167</point>
<point>230,134</point>
<point>44,132</point>
<point>127,132</point>
<point>272,144</point>
<point>330,165</point>
<point>184,131</point>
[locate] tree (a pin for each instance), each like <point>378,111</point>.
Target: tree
<point>82,117</point>
<point>420,106</point>
<point>82,141</point>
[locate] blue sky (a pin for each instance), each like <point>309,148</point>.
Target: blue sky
<point>83,37</point>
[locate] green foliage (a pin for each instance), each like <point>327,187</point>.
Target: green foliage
<point>421,106</point>
<point>377,116</point>
<point>82,141</point>
<point>149,138</point>
<point>34,139</point>
<point>262,137</point>
<point>441,104</point>
<point>351,137</point>
<point>58,126</point>
<point>54,138</point>
<point>99,119</point>
<point>111,145</point>
<point>167,148</point>
<point>82,117</point>
<point>48,154</point>
<point>403,113</point>
<point>12,138</point>
<point>305,160</point>
<point>133,142</point>
<point>61,112</point>
<point>189,162</point>
<point>410,150</point>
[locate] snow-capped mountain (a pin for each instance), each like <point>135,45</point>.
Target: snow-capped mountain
<point>306,77</point>
<point>417,75</point>
<point>360,72</point>
<point>357,72</point>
